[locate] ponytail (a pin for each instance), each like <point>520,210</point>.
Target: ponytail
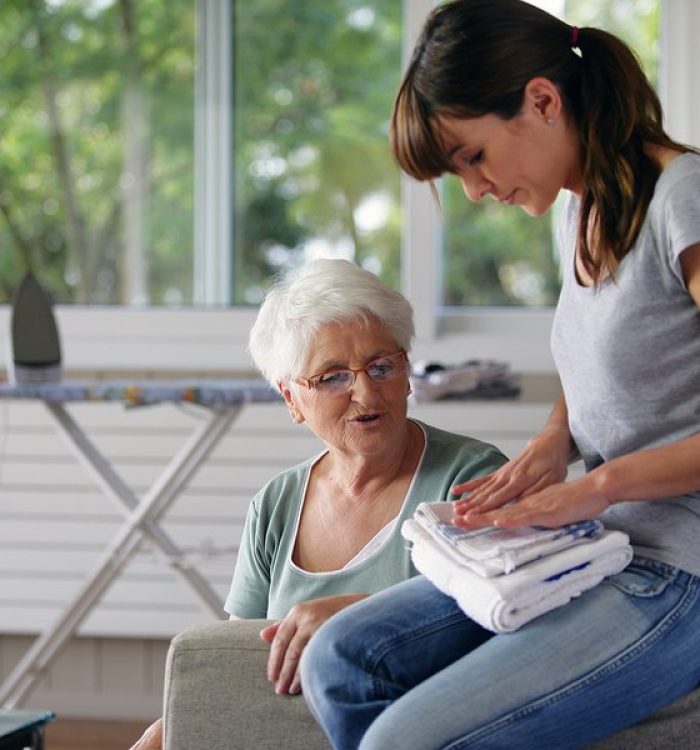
<point>617,113</point>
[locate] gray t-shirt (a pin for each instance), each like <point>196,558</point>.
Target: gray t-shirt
<point>267,583</point>
<point>628,354</point>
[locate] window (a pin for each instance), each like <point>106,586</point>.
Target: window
<point>75,56</point>
<point>314,83</point>
<point>96,188</point>
<point>101,145</point>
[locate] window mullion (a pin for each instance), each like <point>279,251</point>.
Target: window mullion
<point>213,158</point>
<point>421,228</point>
<point>680,56</point>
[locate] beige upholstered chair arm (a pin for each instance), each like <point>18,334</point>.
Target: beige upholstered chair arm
<point>217,696</point>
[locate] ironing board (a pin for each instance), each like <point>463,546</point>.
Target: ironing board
<point>223,399</point>
<point>23,730</point>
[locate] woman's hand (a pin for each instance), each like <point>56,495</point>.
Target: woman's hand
<point>542,463</point>
<point>289,636</point>
<point>152,738</point>
<point>555,505</point>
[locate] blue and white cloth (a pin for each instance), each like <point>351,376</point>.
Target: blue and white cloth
<point>490,551</point>
<point>546,568</point>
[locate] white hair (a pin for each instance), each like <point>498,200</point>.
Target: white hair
<point>321,292</point>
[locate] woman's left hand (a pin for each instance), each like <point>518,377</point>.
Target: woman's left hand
<point>556,505</point>
<point>289,636</point>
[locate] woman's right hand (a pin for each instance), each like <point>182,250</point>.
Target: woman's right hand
<point>543,462</point>
<point>152,738</point>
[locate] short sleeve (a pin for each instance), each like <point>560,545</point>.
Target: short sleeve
<point>452,459</point>
<point>250,587</point>
<point>681,216</point>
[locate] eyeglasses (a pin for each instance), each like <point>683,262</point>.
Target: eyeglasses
<point>336,382</point>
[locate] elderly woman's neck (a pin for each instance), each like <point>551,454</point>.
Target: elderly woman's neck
<point>366,475</point>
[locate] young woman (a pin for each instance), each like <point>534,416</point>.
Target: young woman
<point>519,105</point>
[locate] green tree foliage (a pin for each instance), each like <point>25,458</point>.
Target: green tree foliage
<point>96,166</point>
<point>314,84</point>
<point>69,67</point>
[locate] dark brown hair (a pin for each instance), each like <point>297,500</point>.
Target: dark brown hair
<point>475,57</point>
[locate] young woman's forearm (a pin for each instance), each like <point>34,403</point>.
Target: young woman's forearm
<point>668,470</point>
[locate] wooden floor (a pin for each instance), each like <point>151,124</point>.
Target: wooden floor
<point>73,734</point>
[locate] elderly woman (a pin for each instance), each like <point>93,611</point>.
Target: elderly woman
<point>325,533</point>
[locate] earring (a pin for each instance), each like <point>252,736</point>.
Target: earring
<point>550,121</point>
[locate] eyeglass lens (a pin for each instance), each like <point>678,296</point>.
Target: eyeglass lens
<point>379,370</point>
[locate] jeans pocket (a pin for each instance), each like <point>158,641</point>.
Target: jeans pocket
<point>644,579</point>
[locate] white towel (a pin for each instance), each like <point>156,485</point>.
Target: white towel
<point>491,551</point>
<point>504,603</point>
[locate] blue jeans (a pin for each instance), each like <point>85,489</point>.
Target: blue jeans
<point>406,669</point>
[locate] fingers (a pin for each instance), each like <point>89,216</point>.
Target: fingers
<point>531,515</point>
<point>289,680</point>
<point>288,642</point>
<point>498,494</point>
<point>495,498</point>
<point>513,515</point>
<point>493,493</point>
<point>269,632</point>
<point>472,484</point>
<point>540,464</point>
<point>511,483</point>
<point>152,738</point>
<point>289,637</point>
<point>283,664</point>
<point>507,518</point>
<point>279,644</point>
<point>503,508</point>
<point>555,505</point>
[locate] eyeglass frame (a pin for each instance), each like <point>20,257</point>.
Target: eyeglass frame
<point>307,382</point>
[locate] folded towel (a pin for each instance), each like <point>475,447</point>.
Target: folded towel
<point>504,603</point>
<point>490,551</point>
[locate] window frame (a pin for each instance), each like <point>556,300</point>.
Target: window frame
<point>210,341</point>
<point>213,156</point>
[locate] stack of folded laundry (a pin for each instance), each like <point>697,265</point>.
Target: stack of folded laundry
<point>503,578</point>
<point>477,378</point>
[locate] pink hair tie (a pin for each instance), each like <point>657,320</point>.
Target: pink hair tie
<point>574,41</point>
<point>574,36</point>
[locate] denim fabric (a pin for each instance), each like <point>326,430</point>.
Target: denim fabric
<point>406,669</point>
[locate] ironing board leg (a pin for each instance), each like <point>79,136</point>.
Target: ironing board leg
<point>123,545</point>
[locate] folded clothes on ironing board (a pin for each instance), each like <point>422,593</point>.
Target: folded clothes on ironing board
<point>503,603</point>
<point>477,378</point>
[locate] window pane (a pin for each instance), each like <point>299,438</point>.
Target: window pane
<point>314,86</point>
<point>97,100</point>
<point>497,255</point>
<point>97,107</point>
